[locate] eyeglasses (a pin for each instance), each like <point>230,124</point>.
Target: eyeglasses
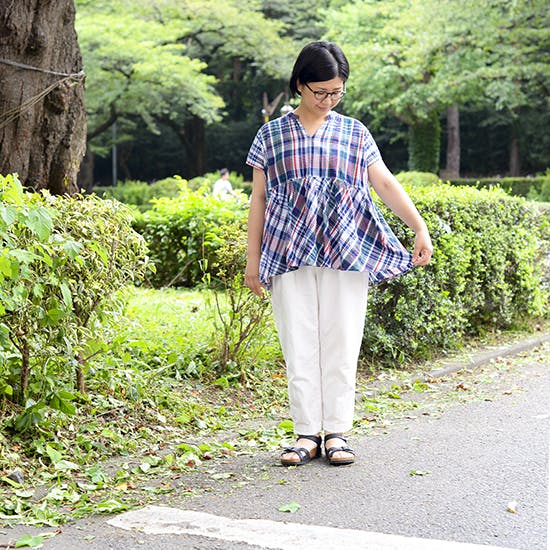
<point>321,96</point>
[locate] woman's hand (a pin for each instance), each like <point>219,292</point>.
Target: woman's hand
<point>252,279</point>
<point>423,248</point>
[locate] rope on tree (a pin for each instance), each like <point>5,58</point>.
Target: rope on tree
<point>9,116</point>
<point>39,69</point>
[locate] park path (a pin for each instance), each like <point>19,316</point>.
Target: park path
<point>448,481</point>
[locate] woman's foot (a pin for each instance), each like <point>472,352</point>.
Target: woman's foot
<point>306,449</point>
<point>337,453</point>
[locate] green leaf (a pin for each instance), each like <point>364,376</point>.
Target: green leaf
<point>6,266</point>
<point>97,475</point>
<point>8,213</point>
<point>145,467</point>
<point>67,296</point>
<point>40,223</point>
<point>54,455</point>
<point>55,314</point>
<point>287,426</point>
<point>10,482</point>
<point>290,507</point>
<point>61,403</point>
<point>33,541</point>
<point>72,248</point>
<point>30,541</point>
<point>24,256</point>
<point>65,465</point>
<point>11,189</point>
<point>111,505</point>
<point>24,493</point>
<point>418,473</point>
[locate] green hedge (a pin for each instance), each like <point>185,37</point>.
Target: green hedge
<point>486,273</point>
<point>537,188</point>
<point>417,179</point>
<point>183,234</point>
<point>140,193</point>
<point>62,262</point>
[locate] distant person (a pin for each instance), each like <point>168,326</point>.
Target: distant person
<point>223,188</point>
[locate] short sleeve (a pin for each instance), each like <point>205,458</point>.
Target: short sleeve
<point>256,154</point>
<point>371,151</point>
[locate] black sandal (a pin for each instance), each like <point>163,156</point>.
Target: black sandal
<point>331,450</point>
<point>303,454</point>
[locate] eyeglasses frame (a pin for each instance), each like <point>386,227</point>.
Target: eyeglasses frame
<point>334,96</point>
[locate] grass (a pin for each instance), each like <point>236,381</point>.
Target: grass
<point>156,410</point>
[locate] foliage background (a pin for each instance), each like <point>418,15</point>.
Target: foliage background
<point>185,81</point>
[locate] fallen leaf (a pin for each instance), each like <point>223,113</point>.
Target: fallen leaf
<point>290,507</point>
<point>512,507</point>
<point>223,475</point>
<point>418,473</point>
<point>29,541</point>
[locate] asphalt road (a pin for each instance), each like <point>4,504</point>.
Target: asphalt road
<point>449,477</point>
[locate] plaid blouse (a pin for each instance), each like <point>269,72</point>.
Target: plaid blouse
<point>319,210</point>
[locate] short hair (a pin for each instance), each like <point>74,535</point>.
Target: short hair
<point>317,62</point>
<point>224,172</point>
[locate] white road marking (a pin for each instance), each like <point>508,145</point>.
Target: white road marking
<point>273,534</point>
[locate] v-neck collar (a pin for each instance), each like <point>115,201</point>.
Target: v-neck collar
<point>302,128</point>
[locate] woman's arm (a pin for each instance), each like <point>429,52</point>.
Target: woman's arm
<point>255,233</point>
<point>396,198</point>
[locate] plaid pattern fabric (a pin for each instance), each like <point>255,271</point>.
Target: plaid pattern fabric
<point>319,210</point>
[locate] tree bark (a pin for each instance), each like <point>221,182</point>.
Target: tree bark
<point>194,141</point>
<point>85,178</point>
<point>515,159</point>
<point>452,170</point>
<point>45,143</point>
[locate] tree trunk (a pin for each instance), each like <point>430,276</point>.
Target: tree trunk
<point>514,161</point>
<point>194,141</point>
<point>452,170</point>
<point>45,142</point>
<point>85,178</point>
<point>80,381</point>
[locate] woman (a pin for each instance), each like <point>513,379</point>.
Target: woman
<point>316,239</point>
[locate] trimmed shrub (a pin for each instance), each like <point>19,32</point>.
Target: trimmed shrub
<point>537,188</point>
<point>183,234</point>
<point>140,193</point>
<point>416,179</point>
<point>424,144</point>
<point>486,273</point>
<point>62,260</point>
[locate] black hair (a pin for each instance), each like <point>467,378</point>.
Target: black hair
<point>317,62</point>
<point>224,171</point>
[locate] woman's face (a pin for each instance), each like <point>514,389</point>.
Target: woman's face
<point>321,97</point>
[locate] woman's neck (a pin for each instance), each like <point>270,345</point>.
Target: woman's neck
<point>309,118</point>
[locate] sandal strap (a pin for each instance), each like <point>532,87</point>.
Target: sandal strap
<point>331,450</point>
<point>335,436</point>
<point>315,438</point>
<point>302,452</point>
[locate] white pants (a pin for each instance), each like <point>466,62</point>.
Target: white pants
<point>320,316</point>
